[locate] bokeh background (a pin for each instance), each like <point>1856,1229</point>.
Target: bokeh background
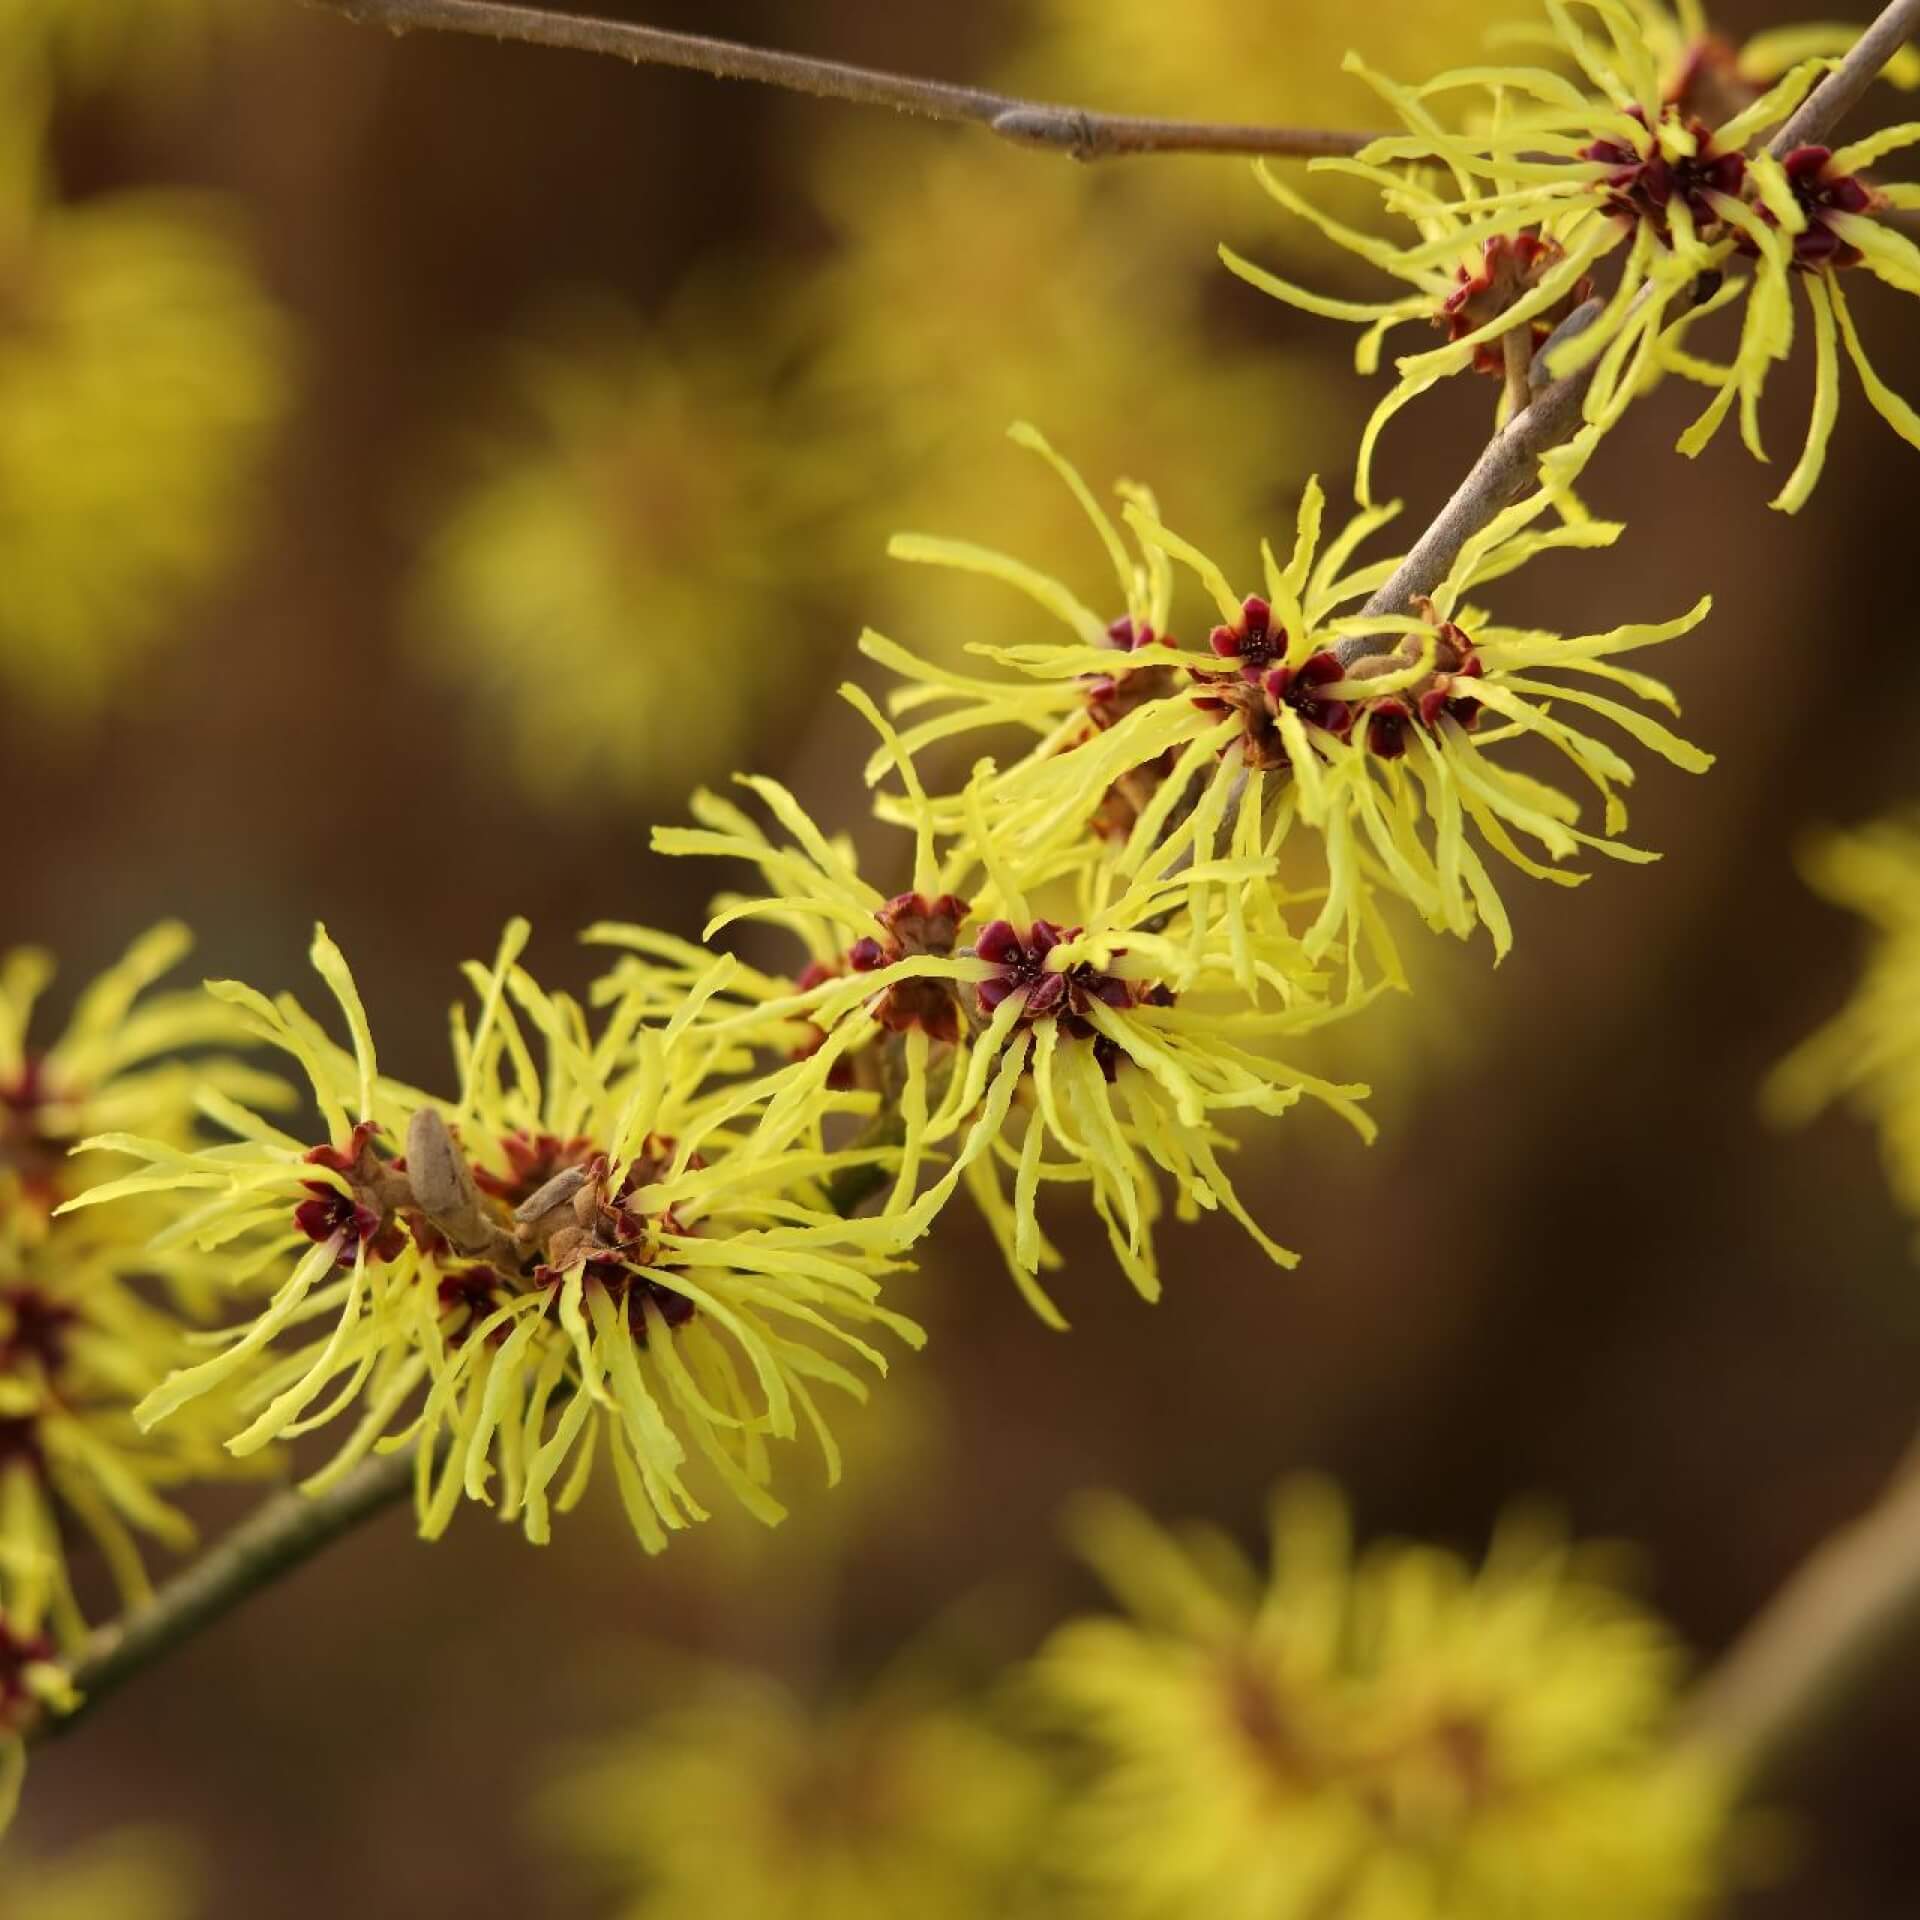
<point>599,393</point>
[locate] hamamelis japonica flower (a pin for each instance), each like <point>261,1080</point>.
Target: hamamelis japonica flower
<point>1376,739</point>
<point>597,584</point>
<point>627,1246</point>
<point>1869,1053</point>
<point>741,1800</point>
<point>1705,74</point>
<point>1394,1733</point>
<point>97,560</point>
<point>116,1065</point>
<point>1551,177</point>
<point>80,1347</point>
<point>1027,1052</point>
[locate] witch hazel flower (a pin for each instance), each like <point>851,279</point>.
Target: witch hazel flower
<point>632,1248</point>
<point>1539,179</point>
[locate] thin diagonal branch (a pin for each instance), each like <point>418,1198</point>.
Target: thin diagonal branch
<point>1511,461</point>
<point>1076,131</point>
<point>284,1533</point>
<point>1818,1646</point>
<point>1842,90</point>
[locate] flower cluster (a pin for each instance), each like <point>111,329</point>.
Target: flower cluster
<point>629,1245</point>
<point>1652,152</point>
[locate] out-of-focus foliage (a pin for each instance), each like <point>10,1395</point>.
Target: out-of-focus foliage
<point>1395,1734</point>
<point>1869,1053</point>
<point>141,370</point>
<point>742,1801</point>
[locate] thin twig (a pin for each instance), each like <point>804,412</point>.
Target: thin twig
<point>1510,463</point>
<point>284,1533</point>
<point>1077,131</point>
<point>1842,90</point>
<point>1818,1646</point>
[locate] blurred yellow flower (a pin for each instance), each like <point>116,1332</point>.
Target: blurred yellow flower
<point>141,370</point>
<point>742,1802</point>
<point>148,44</point>
<point>617,590</point>
<point>974,286</point>
<point>1389,1736</point>
<point>135,1874</point>
<point>1869,1052</point>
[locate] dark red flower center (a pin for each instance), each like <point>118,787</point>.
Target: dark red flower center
<point>1821,190</point>
<point>363,1215</point>
<point>1020,967</point>
<point>1643,186</point>
<point>1510,265</point>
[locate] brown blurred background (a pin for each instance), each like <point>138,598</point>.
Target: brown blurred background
<point>1577,1265</point>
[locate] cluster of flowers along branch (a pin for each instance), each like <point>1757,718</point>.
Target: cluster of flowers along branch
<point>1146,844</point>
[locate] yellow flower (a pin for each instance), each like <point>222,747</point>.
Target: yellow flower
<point>143,43</point>
<point>133,1874</point>
<point>1706,75</point>
<point>116,1066</point>
<point>1095,1055</point>
<point>1363,734</point>
<point>1870,1051</point>
<point>134,342</point>
<point>1555,176</point>
<point>629,1247</point>
<point>743,1801</point>
<point>613,591</point>
<point>971,286</point>
<point>1395,1734</point>
<point>79,1347</point>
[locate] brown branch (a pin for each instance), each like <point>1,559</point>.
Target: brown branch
<point>1816,1650</point>
<point>1842,90</point>
<point>1078,131</point>
<point>284,1533</point>
<point>1511,461</point>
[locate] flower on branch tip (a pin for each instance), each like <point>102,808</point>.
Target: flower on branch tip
<point>1392,1731</point>
<point>1539,178</point>
<point>628,1247</point>
<point>1869,1053</point>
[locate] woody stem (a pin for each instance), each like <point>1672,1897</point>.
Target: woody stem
<point>1078,132</point>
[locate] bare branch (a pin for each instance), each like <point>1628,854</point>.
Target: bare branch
<point>1077,131</point>
<point>1817,1648</point>
<point>285,1533</point>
